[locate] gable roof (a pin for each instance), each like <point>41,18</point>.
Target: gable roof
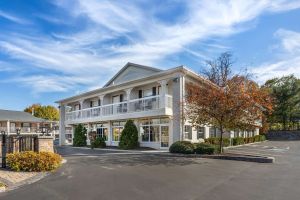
<point>18,116</point>
<point>130,72</point>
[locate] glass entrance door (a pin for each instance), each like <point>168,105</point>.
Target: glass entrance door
<point>164,131</point>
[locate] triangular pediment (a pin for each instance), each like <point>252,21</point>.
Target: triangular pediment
<point>131,72</point>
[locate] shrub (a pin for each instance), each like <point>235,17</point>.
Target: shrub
<point>184,147</point>
<point>98,143</point>
<point>203,148</point>
<point>237,141</point>
<point>256,138</point>
<point>262,137</point>
<point>33,161</point>
<point>129,136</point>
<point>79,136</point>
<point>216,141</point>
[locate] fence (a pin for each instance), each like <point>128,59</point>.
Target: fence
<point>14,143</point>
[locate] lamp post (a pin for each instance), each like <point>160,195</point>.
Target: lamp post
<point>3,134</point>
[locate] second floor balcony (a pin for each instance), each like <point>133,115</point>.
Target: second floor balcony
<point>159,104</point>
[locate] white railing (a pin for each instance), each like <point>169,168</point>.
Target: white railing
<point>136,105</point>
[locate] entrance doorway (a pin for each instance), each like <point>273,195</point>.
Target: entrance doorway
<point>164,132</point>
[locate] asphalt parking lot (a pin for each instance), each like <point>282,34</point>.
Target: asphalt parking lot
<point>96,174</point>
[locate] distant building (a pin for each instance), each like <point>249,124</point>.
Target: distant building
<point>11,121</point>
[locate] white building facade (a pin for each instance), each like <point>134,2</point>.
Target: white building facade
<point>153,98</point>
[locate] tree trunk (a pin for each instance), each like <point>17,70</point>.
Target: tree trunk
<point>221,140</point>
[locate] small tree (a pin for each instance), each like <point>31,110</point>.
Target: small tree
<point>129,136</point>
<point>79,139</point>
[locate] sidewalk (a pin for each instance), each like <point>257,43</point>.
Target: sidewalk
<point>14,179</point>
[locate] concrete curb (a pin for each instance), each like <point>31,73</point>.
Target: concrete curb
<point>235,157</point>
<point>242,145</point>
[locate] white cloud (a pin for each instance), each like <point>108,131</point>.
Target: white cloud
<point>115,33</point>
<point>288,59</point>
<point>13,18</point>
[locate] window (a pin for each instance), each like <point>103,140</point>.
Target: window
<point>102,131</point>
<point>200,132</point>
<point>150,129</point>
<point>154,91</point>
<point>188,132</point>
<point>117,128</point>
<point>26,125</point>
<point>77,107</point>
<point>150,133</point>
<point>212,132</point>
<point>148,93</point>
<point>236,133</point>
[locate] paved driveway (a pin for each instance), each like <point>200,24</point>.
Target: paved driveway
<point>110,175</point>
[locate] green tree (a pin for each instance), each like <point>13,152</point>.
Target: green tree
<point>286,94</point>
<point>45,112</point>
<point>129,136</point>
<point>80,133</point>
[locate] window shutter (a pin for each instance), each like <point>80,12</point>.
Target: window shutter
<point>154,91</point>
<point>121,97</point>
<point>140,94</point>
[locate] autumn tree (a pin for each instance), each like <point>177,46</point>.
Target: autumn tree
<point>45,112</point>
<point>226,101</point>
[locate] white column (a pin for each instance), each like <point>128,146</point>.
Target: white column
<point>62,129</point>
<point>206,132</point>
<point>8,127</point>
<point>164,91</point>
<point>88,142</point>
<point>256,132</point>
<point>101,97</point>
<point>109,137</point>
<point>178,93</point>
<point>128,92</point>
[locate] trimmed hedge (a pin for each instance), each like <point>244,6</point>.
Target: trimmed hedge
<point>184,147</point>
<point>203,148</point>
<point>98,143</point>
<point>238,141</point>
<point>216,141</point>
<point>211,145</point>
<point>33,161</point>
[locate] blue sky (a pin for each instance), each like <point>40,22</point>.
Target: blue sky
<point>50,50</point>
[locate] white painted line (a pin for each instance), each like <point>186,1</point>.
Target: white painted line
<point>109,168</point>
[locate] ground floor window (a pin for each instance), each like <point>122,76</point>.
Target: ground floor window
<point>200,132</point>
<point>150,133</point>
<point>214,132</point>
<point>150,129</point>
<point>236,133</point>
<point>102,131</point>
<point>117,128</point>
<point>188,132</point>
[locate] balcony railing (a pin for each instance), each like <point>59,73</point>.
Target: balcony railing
<point>131,106</point>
